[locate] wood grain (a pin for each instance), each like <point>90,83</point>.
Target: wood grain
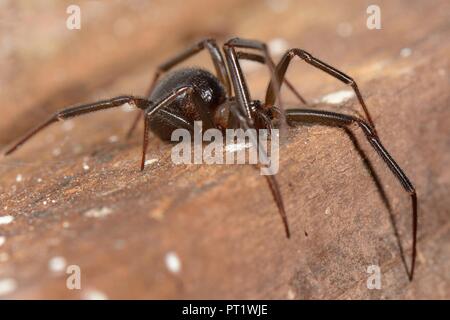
<point>220,221</point>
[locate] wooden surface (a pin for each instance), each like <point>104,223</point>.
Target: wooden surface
<point>220,221</point>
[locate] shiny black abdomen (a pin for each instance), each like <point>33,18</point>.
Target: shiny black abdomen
<point>206,85</point>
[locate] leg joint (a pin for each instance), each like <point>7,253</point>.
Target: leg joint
<point>366,127</point>
<point>209,40</point>
<point>302,54</point>
<point>351,82</point>
<point>245,43</point>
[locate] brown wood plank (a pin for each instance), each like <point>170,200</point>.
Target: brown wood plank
<point>220,221</point>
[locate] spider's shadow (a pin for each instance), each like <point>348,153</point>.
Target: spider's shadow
<point>382,193</point>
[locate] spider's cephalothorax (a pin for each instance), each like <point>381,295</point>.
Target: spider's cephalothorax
<point>224,101</point>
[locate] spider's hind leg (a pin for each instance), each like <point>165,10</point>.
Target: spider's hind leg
<point>281,68</point>
<point>341,120</point>
<point>263,60</point>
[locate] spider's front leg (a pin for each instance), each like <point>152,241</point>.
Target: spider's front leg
<point>241,115</point>
<point>263,58</point>
<point>230,52</point>
<point>79,110</point>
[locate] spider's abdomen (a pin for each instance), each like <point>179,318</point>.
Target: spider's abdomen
<point>208,88</point>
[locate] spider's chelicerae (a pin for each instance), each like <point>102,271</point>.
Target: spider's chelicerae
<point>189,95</point>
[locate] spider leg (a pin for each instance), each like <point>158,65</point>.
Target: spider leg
<point>240,87</point>
<point>308,58</point>
<point>133,126</point>
<point>259,58</point>
<point>341,120</point>
<point>80,110</point>
<point>262,47</point>
<point>241,115</point>
<point>217,59</point>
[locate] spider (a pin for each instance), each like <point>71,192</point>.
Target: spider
<point>192,94</point>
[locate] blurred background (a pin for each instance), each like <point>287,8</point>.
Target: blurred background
<point>402,70</point>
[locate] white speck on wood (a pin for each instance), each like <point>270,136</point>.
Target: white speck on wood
<point>150,161</point>
<point>98,212</point>
<point>278,46</point>
<point>57,264</point>
<point>68,125</point>
<point>113,139</point>
<point>19,178</point>
<point>7,285</point>
<point>56,152</point>
<point>173,263</point>
<point>405,52</point>
<point>6,219</point>
<point>290,294</point>
<point>327,211</point>
<point>338,96</point>
<point>2,240</point>
<point>85,167</point>
<point>93,294</point>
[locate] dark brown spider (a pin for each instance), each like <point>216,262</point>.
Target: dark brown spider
<point>189,95</point>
